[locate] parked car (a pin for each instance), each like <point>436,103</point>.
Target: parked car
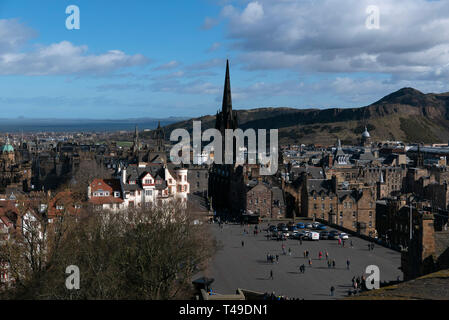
<point>333,235</point>
<point>281,225</point>
<point>315,225</point>
<point>321,227</point>
<point>344,236</point>
<point>301,235</point>
<point>309,226</point>
<point>300,225</point>
<point>324,235</point>
<point>291,228</point>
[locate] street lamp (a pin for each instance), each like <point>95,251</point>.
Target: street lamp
<point>411,218</point>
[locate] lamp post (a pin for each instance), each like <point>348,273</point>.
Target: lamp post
<point>411,221</point>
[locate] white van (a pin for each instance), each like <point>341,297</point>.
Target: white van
<point>314,236</point>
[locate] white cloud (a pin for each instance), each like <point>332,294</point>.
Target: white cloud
<point>331,36</point>
<point>252,13</point>
<point>63,58</point>
<point>167,66</point>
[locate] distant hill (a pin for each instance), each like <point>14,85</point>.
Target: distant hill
<point>76,125</point>
<point>407,115</point>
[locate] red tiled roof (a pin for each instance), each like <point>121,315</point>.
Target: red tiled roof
<point>64,199</point>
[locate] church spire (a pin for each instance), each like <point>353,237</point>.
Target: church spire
<point>227,100</point>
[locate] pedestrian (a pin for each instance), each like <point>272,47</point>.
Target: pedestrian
<point>320,254</point>
<point>289,251</point>
<point>277,258</point>
<point>329,264</point>
<point>304,254</point>
<point>271,275</point>
<point>352,246</point>
<point>343,243</point>
<point>369,247</point>
<point>333,264</point>
<point>303,268</point>
<point>372,246</point>
<point>300,241</point>
<point>332,290</point>
<point>348,263</point>
<point>310,262</point>
<point>327,255</point>
<point>243,244</point>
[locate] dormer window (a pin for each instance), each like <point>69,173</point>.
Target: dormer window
<point>117,194</point>
<point>59,207</point>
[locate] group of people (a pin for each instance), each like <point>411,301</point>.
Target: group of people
<point>271,258</point>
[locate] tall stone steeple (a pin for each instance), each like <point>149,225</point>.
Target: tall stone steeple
<point>226,119</point>
<point>227,98</point>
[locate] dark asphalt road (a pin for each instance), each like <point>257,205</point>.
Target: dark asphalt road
<point>246,267</point>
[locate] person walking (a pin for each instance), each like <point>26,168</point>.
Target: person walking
<point>271,275</point>
<point>332,291</point>
<point>289,251</point>
<point>310,262</point>
<point>333,264</point>
<point>320,255</point>
<point>327,255</point>
<point>351,244</point>
<point>348,263</point>
<point>277,258</point>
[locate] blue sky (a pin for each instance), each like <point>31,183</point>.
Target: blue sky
<point>140,58</point>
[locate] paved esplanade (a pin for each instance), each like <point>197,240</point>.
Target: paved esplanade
<point>246,267</point>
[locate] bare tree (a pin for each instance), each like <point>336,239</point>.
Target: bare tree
<point>145,253</point>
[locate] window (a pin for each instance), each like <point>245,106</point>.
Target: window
<point>148,193</point>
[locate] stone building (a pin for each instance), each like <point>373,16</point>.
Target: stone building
<point>353,210</point>
<point>15,173</point>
